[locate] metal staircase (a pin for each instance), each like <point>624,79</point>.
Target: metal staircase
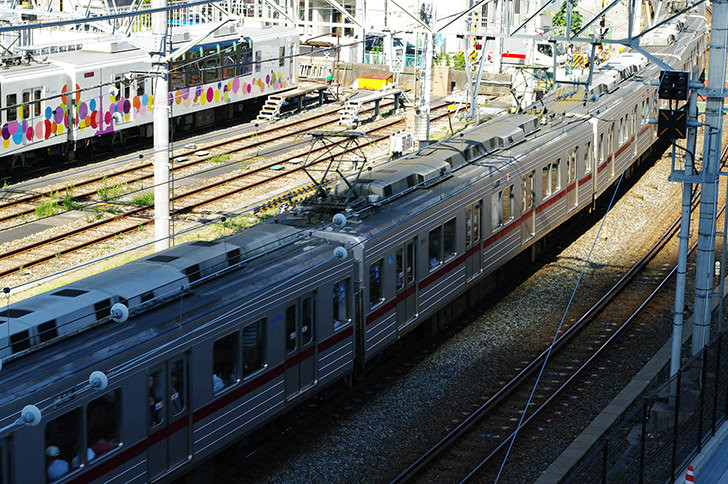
<point>271,109</point>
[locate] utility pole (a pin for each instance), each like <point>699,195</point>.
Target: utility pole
<point>422,112</point>
<point>161,128</point>
<point>711,174</point>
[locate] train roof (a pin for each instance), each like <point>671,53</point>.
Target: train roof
<point>270,254</point>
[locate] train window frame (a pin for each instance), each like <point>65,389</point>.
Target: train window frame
<point>376,283</point>
<point>341,296</point>
<point>155,391</point>
<point>109,440</point>
<point>177,385</point>
<point>308,317</point>
<point>449,239</point>
<point>245,58</point>
<point>410,261</point>
<point>571,157</point>
<point>399,269</point>
<point>37,100</point>
<point>281,56</point>
<point>11,111</point>
<point>434,248</point>
<point>502,207</point>
<point>588,157</point>
<point>24,109</point>
<point>290,334</point>
<point>551,179</point>
<point>59,441</point>
<point>473,216</point>
<point>220,384</point>
<point>139,82</point>
<point>211,63</point>
<point>177,74</point>
<point>194,68</point>
<point>229,63</point>
<point>260,356</point>
<point>528,192</point>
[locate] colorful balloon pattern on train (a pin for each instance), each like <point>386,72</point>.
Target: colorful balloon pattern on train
<point>98,114</point>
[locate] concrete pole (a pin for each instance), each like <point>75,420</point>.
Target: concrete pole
<point>682,257</point>
<point>161,128</point>
<point>711,170</point>
<point>422,112</point>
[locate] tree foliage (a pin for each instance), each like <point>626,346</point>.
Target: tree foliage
<point>560,17</point>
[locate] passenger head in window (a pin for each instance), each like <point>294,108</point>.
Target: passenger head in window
<point>56,466</point>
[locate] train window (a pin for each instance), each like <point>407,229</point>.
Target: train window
<point>63,445</point>
<point>212,62</point>
<point>433,252</point>
<point>224,362</point>
<point>399,262</point>
<point>194,69</point>
<point>246,59</point>
<point>25,107</point>
<point>307,318</point>
<point>140,86</point>
<point>291,328</point>
<point>556,176</point>
<point>177,75</point>
<point>571,166</point>
<point>253,347</point>
<point>472,224</point>
<point>341,304</point>
<point>527,192</point>
<point>376,291</point>
<point>634,120</point>
<point>177,386</point>
<point>155,386</point>
<point>228,63</point>
<point>550,179</point>
<point>281,56</point>
<point>600,148</point>
<point>257,61</point>
<point>36,102</point>
<point>588,157</point>
<point>12,110</point>
<point>102,424</point>
<point>409,263</point>
<point>507,203</point>
<point>448,239</point>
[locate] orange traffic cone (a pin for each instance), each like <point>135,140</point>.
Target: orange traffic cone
<point>689,478</point>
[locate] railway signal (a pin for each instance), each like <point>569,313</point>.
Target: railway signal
<point>672,124</point>
<point>674,85</point>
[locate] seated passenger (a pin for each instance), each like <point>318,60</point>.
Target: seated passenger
<point>217,383</point>
<point>56,467</point>
<point>101,446</point>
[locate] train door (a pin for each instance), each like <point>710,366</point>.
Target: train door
<point>528,201</point>
<point>30,110</point>
<point>572,187</point>
<point>169,437</point>
<point>406,282</point>
<point>300,349</point>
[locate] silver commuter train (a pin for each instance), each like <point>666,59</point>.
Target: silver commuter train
<point>209,341</point>
<point>72,99</point>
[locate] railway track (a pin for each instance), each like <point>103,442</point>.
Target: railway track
<point>89,191</point>
<point>475,448</point>
<point>189,201</point>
